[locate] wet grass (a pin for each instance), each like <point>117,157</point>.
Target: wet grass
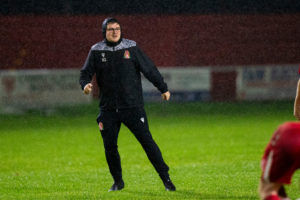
<point>213,151</point>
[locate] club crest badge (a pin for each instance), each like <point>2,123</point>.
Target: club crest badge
<point>127,54</point>
<point>103,57</point>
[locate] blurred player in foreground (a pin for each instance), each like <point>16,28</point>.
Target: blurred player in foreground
<point>118,64</point>
<point>280,160</point>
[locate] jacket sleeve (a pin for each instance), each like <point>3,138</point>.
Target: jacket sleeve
<point>150,71</point>
<point>87,71</point>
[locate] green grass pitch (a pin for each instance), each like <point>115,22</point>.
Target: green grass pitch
<point>213,151</point>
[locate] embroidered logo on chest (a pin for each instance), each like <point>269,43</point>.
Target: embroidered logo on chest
<point>126,54</point>
<point>103,57</point>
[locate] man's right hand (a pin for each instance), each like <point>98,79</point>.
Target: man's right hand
<point>166,96</point>
<point>87,88</point>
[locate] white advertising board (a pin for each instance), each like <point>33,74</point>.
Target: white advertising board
<point>184,83</point>
<point>39,89</point>
<point>271,82</point>
<point>23,89</point>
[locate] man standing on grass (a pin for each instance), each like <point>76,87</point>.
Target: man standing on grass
<point>118,64</point>
<point>281,159</point>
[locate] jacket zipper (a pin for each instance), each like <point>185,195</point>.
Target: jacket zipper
<point>117,110</point>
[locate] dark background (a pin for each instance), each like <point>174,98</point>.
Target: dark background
<point>59,34</point>
<point>96,7</point>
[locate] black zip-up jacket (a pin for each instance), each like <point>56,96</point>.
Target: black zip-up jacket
<point>118,74</point>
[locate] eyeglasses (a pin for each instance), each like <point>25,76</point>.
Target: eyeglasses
<point>113,29</point>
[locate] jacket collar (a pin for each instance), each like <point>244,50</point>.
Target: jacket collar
<point>112,44</point>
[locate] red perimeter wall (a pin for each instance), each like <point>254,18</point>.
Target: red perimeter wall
<point>170,40</point>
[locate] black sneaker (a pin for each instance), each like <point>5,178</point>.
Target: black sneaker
<point>117,186</point>
<point>169,185</point>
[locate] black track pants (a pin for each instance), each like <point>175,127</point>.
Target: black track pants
<point>135,119</point>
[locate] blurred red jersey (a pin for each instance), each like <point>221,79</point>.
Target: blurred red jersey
<point>282,155</point>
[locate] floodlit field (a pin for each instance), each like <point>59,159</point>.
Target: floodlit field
<point>213,151</point>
